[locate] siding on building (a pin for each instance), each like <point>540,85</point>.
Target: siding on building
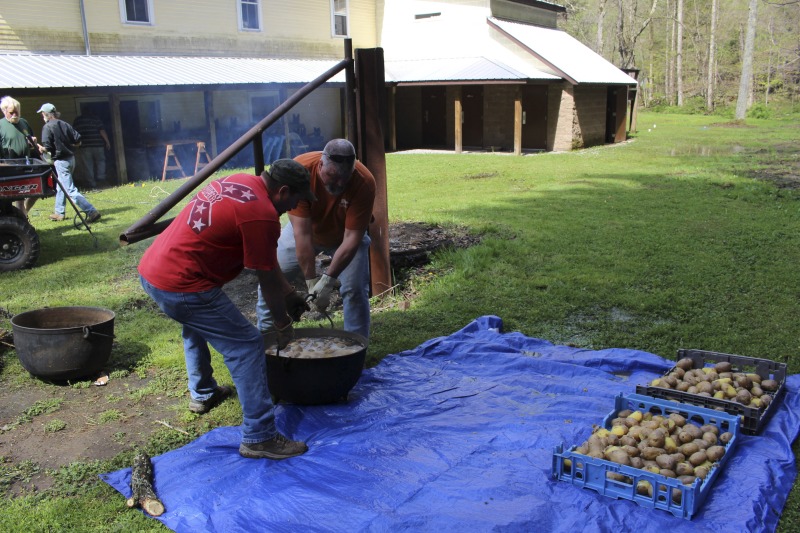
<point>184,27</point>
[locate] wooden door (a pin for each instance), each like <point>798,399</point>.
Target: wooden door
<point>433,117</point>
<point>472,119</point>
<point>534,117</point>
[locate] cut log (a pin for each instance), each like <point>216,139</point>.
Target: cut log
<point>142,486</point>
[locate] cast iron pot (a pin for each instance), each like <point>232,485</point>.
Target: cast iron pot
<point>63,343</point>
<point>314,381</point>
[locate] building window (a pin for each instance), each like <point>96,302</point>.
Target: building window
<point>249,15</point>
<point>339,26</point>
<point>136,11</point>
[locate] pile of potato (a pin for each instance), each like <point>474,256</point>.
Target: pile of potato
<point>719,381</point>
<point>671,446</point>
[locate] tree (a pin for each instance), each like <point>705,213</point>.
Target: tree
<point>711,43</point>
<point>679,54</point>
<point>745,82</point>
<point>627,32</point>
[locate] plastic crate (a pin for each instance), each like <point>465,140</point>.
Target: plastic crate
<point>591,473</point>
<point>753,419</point>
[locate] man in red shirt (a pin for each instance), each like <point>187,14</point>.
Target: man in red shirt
<point>336,224</point>
<point>231,224</point>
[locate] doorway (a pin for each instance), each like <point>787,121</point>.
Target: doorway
<point>433,117</point>
<point>472,123</point>
<point>534,117</point>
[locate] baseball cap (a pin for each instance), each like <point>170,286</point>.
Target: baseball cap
<point>47,108</point>
<point>294,175</point>
<point>340,151</point>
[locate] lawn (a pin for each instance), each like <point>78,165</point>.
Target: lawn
<point>685,237</point>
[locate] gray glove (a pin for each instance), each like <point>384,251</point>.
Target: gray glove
<point>285,334</point>
<point>320,290</point>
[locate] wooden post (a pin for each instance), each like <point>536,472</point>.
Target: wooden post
<point>392,110</point>
<point>119,145</point>
<point>211,123</point>
<point>459,121</point>
<point>370,82</point>
<point>518,121</point>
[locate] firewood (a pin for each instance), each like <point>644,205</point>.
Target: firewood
<point>142,488</point>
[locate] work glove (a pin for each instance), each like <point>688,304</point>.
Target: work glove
<point>296,305</point>
<point>285,334</point>
<point>320,291</point>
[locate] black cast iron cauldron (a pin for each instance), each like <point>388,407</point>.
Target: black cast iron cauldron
<point>63,343</point>
<point>314,381</point>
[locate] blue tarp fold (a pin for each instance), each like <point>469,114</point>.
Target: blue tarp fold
<point>458,435</point>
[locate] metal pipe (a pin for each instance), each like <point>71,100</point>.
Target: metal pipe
<point>85,30</point>
<point>145,227</point>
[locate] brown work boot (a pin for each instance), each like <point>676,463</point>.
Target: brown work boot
<point>278,447</point>
<point>56,217</point>
<point>203,406</point>
<point>94,216</point>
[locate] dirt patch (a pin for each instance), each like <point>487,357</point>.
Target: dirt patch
<point>45,426</point>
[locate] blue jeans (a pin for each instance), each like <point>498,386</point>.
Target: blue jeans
<point>93,159</point>
<point>354,280</point>
<point>210,317</point>
<point>64,169</point>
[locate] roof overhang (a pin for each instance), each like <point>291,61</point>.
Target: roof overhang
<point>37,72</point>
<point>567,56</point>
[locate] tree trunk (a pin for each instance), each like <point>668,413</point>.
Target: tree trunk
<point>711,44</point>
<point>671,59</point>
<point>679,54</point>
<point>601,15</point>
<point>141,486</point>
<point>745,81</point>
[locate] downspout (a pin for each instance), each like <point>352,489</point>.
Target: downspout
<point>85,30</point>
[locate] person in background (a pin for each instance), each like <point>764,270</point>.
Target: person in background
<point>92,153</point>
<point>17,140</point>
<point>336,224</point>
<point>231,224</point>
<point>60,140</point>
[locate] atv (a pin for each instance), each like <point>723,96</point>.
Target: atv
<point>21,179</point>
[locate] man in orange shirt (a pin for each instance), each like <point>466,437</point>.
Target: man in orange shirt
<point>336,224</point>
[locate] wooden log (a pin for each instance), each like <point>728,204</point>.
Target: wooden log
<point>142,486</point>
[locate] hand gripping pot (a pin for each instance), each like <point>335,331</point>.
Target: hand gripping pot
<point>314,381</point>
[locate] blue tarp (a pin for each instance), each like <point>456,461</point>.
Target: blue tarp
<point>458,435</point>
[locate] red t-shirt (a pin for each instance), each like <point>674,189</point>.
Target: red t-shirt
<point>229,225</point>
<point>331,215</point>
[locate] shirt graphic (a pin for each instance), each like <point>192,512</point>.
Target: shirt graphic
<point>200,214</point>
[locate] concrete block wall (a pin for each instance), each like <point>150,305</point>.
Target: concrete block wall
<point>590,115</point>
<point>498,116</point>
<point>561,106</point>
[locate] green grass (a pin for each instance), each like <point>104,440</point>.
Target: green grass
<point>671,241</point>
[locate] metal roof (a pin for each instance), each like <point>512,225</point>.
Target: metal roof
<point>577,62</point>
<point>33,71</point>
<point>455,70</point>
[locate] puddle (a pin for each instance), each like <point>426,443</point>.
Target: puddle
<point>706,151</point>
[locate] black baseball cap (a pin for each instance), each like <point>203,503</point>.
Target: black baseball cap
<point>294,175</point>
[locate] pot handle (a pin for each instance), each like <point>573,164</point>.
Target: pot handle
<point>87,332</point>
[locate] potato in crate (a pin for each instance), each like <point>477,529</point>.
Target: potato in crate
<point>657,453</point>
<point>745,386</point>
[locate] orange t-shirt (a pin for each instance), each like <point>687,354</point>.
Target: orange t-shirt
<point>331,215</point>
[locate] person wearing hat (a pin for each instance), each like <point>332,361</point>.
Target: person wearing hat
<point>336,224</point>
<point>231,224</point>
<point>61,140</point>
<point>17,140</point>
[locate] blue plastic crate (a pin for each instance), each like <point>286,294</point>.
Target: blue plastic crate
<point>668,494</point>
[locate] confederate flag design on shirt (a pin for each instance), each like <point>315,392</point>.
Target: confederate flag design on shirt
<point>200,214</point>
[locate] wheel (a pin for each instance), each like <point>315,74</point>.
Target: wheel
<point>19,244</point>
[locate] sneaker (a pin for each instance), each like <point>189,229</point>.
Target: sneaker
<point>278,447</point>
<point>204,406</point>
<point>94,217</point>
<point>56,217</point>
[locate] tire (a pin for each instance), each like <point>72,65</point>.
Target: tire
<point>19,244</point>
